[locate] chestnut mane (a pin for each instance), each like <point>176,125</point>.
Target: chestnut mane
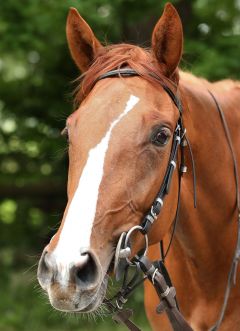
<point>118,56</point>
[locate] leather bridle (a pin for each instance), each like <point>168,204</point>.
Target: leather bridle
<point>156,271</point>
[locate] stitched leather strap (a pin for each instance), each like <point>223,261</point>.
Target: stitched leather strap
<point>233,270</point>
<point>167,295</point>
<point>128,72</point>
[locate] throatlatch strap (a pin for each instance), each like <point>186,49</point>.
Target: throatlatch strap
<point>233,270</point>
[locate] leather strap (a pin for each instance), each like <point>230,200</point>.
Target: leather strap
<point>128,72</point>
<point>124,72</point>
<point>194,176</point>
<point>233,270</point>
<point>167,295</point>
<point>123,316</point>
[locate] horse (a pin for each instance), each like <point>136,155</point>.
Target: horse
<point>120,139</point>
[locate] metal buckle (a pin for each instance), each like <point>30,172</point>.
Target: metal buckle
<point>178,139</point>
<point>183,169</point>
<point>160,201</point>
<point>177,128</point>
<point>173,163</point>
<point>120,302</point>
<point>154,215</point>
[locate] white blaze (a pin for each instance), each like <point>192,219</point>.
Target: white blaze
<point>79,220</point>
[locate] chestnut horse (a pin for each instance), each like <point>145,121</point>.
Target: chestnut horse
<point>120,139</point>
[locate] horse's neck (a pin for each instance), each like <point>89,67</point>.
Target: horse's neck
<point>207,234</point>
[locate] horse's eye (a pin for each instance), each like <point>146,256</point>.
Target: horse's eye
<point>64,133</point>
<point>161,136</point>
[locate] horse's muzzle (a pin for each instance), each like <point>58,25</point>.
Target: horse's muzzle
<point>77,286</point>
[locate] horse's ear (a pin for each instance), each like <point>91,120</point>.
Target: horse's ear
<point>167,40</point>
<point>82,43</point>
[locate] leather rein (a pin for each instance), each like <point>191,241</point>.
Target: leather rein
<point>156,271</point>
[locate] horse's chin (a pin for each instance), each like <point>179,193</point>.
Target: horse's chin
<point>78,303</point>
<point>99,297</point>
<point>96,300</point>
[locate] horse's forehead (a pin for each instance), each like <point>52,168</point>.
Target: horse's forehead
<point>109,98</point>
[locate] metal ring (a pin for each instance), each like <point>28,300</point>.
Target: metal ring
<point>129,233</point>
<point>117,251</point>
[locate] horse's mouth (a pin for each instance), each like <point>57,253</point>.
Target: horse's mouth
<point>79,293</point>
<point>79,302</point>
<point>98,299</point>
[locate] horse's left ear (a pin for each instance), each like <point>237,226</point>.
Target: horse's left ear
<point>167,40</point>
<point>82,43</point>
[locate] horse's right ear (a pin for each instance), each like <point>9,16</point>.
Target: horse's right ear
<point>82,43</point>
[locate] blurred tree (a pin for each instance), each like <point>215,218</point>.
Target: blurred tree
<point>35,96</point>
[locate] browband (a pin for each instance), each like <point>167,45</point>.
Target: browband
<point>128,72</point>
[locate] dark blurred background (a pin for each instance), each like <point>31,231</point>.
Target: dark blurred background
<point>36,72</point>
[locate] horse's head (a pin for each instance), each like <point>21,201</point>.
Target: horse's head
<point>120,140</point>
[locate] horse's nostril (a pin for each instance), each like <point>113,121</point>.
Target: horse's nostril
<point>44,272</point>
<point>84,272</point>
<point>87,272</point>
<point>44,265</point>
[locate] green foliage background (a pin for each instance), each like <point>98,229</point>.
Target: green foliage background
<point>35,98</point>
